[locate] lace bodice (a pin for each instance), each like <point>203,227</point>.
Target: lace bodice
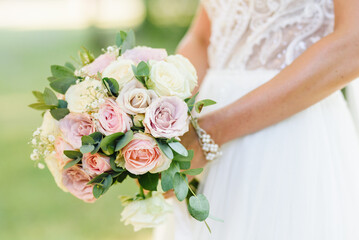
<point>270,34</point>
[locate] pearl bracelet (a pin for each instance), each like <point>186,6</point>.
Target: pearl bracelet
<point>210,149</point>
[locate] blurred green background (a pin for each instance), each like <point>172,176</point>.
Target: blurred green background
<point>33,35</point>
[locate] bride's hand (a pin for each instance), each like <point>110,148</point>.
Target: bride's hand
<point>190,141</point>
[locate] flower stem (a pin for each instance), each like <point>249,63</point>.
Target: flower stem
<point>142,193</point>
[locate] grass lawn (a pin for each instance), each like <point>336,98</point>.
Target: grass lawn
<point>31,206</point>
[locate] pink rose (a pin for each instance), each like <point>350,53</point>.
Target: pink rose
<point>60,146</point>
<point>95,164</point>
<point>167,117</point>
<point>99,64</point>
<point>75,180</point>
<point>139,54</point>
<point>74,126</point>
<point>143,155</point>
<point>111,118</point>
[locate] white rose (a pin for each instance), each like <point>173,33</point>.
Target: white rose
<point>49,127</point>
<point>186,68</point>
<point>167,80</point>
<point>134,98</point>
<point>146,213</point>
<point>55,169</point>
<point>83,94</point>
<point>121,70</point>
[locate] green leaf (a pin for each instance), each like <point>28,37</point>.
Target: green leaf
<point>39,96</point>
<point>167,176</point>
<point>72,163</point>
<point>111,85</point>
<point>143,69</point>
<point>107,183</point>
<point>86,56</point>
<point>108,143</point>
<point>50,97</point>
<point>114,166</point>
<point>165,148</point>
<point>40,106</point>
<point>61,71</point>
<point>120,37</point>
<point>124,140</point>
<point>193,172</point>
<point>198,207</point>
<point>180,186</point>
<point>59,113</point>
<point>149,181</point>
<point>51,79</point>
<point>73,154</point>
<point>70,66</point>
<point>87,140</point>
<point>98,178</point>
<point>62,104</point>
<point>181,158</point>
<point>97,190</point>
<point>86,148</point>
<point>203,103</point>
<point>129,42</point>
<point>190,102</point>
<point>178,148</point>
<point>120,178</point>
<point>61,85</point>
<point>96,136</point>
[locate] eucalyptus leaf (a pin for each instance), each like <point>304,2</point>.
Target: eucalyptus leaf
<point>181,158</point>
<point>86,140</point>
<point>73,154</point>
<point>61,71</point>
<point>129,42</point>
<point>120,37</point>
<point>62,104</point>
<point>97,190</point>
<point>39,96</point>
<point>59,113</point>
<point>167,176</point>
<point>111,85</point>
<point>178,148</point>
<point>107,182</point>
<point>86,148</point>
<point>70,66</point>
<point>190,102</point>
<point>198,207</point>
<point>165,148</point>
<point>108,143</point>
<point>122,177</point>
<point>193,172</point>
<point>40,106</point>
<point>98,178</point>
<point>61,85</point>
<point>149,181</point>
<point>114,166</point>
<point>124,140</point>
<point>96,136</point>
<point>72,163</point>
<point>203,103</point>
<point>180,186</point>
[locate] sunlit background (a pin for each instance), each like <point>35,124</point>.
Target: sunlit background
<point>33,35</point>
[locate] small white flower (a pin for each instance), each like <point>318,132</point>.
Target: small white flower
<point>51,138</point>
<point>36,133</point>
<point>33,141</point>
<point>46,152</point>
<point>34,156</point>
<point>41,165</point>
<point>101,101</point>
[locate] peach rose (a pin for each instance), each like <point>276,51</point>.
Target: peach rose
<point>167,117</point>
<point>99,64</point>
<point>75,179</point>
<point>145,54</point>
<point>112,119</point>
<point>143,155</point>
<point>60,146</point>
<point>95,164</point>
<point>74,126</point>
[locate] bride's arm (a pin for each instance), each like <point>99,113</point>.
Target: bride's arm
<point>195,43</point>
<point>324,68</point>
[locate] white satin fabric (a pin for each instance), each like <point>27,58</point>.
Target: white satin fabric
<point>295,180</point>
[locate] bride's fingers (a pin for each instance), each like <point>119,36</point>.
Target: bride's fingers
<point>169,194</point>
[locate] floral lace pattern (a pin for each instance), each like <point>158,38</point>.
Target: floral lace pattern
<point>269,34</point>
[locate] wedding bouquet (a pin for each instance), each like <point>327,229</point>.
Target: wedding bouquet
<point>121,115</point>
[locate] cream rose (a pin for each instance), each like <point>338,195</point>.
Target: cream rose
<point>80,96</point>
<point>186,68</point>
<point>134,98</point>
<point>55,166</point>
<point>167,80</point>
<point>49,127</point>
<point>146,213</point>
<point>121,70</point>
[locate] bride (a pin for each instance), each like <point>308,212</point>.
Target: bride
<point>290,163</point>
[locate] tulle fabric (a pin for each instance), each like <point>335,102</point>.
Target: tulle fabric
<point>295,180</point>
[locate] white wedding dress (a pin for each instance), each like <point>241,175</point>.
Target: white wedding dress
<point>295,180</point>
